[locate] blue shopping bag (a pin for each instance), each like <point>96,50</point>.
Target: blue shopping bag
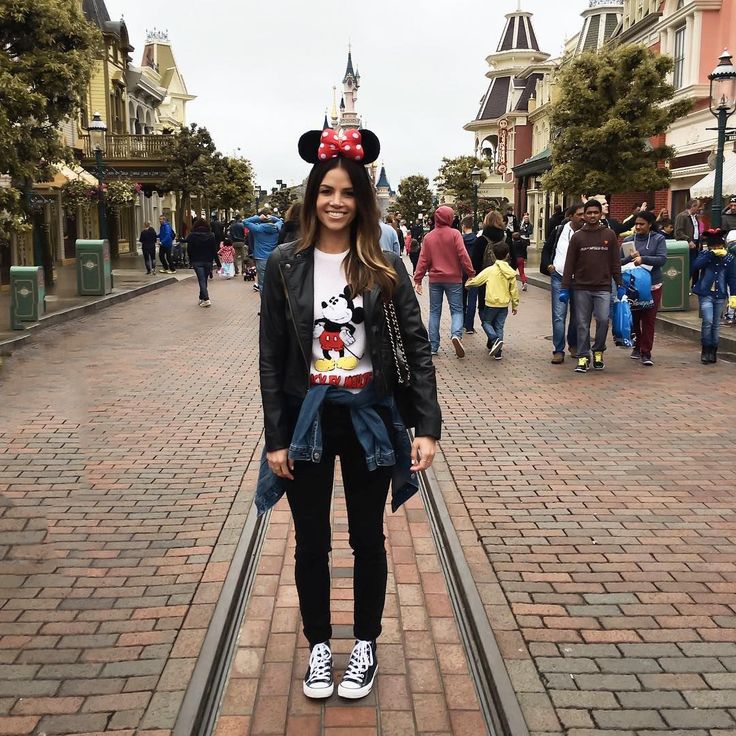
<point>638,284</point>
<point>622,322</point>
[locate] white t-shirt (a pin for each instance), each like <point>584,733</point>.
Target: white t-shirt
<point>562,245</point>
<point>340,355</point>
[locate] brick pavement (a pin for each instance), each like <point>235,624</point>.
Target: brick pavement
<point>123,442</point>
<point>598,514</point>
<point>423,686</point>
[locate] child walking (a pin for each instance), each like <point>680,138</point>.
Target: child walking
<point>717,277</point>
<point>227,257</point>
<point>501,291</point>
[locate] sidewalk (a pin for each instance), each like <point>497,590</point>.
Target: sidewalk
<point>423,686</point>
<point>63,303</point>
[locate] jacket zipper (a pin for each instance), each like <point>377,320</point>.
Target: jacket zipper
<point>296,329</point>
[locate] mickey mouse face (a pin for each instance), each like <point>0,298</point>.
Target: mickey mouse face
<point>337,310</point>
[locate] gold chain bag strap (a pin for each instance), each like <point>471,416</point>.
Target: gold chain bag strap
<point>401,364</point>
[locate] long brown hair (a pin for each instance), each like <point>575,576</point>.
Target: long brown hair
<point>365,265</point>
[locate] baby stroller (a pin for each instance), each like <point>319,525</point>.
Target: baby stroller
<point>250,272</point>
<point>177,255</point>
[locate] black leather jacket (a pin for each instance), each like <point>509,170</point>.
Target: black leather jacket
<point>287,326</point>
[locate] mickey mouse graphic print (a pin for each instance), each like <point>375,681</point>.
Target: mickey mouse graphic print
<point>340,355</point>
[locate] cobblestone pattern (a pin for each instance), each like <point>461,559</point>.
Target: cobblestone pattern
<point>423,685</point>
<point>123,440</point>
<point>598,515</point>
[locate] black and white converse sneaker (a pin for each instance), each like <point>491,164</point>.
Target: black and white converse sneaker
<point>358,679</point>
<point>318,680</point>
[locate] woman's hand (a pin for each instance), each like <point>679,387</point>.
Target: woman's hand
<point>280,464</point>
<point>423,450</point>
<point>418,288</point>
<point>637,261</point>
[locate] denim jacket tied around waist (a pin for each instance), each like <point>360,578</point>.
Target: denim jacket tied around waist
<point>381,450</point>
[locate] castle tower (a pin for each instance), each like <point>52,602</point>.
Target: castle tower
<point>349,117</point>
<point>383,191</point>
<point>600,20</point>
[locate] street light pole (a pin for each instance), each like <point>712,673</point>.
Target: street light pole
<point>97,130</point>
<point>722,106</point>
<point>475,176</point>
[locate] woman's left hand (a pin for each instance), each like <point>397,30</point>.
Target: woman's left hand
<point>423,450</point>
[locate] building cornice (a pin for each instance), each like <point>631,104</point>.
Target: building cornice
<point>648,22</point>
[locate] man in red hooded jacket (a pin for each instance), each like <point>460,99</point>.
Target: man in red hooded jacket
<point>445,258</point>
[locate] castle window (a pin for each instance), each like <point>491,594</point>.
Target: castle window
<point>678,77</point>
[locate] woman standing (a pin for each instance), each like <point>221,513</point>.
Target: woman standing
<point>202,252</point>
<point>647,247</point>
<point>526,230</point>
<point>337,318</point>
<point>290,229</point>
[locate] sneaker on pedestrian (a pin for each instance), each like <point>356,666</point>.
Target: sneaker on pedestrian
<point>469,331</point>
<point>206,303</point>
<point>435,352</point>
<point>558,358</point>
<point>523,287</point>
<point>598,363</point>
<point>496,347</point>
<point>318,680</point>
<point>457,343</point>
<point>635,354</point>
<point>256,287</point>
<point>573,352</point>
<point>583,365</point>
<point>498,355</point>
<point>646,359</point>
<point>200,302</point>
<point>361,672</point>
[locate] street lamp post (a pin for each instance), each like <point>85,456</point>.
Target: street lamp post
<point>475,176</point>
<point>722,105</point>
<point>97,130</point>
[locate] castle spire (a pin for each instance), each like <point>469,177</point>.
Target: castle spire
<point>349,72</point>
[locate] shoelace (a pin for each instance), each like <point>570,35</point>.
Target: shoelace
<point>319,662</point>
<point>360,660</point>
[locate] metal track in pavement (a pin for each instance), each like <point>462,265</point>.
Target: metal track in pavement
<point>496,695</point>
<point>200,707</point>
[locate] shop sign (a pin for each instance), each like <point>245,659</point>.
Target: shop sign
<point>503,140</point>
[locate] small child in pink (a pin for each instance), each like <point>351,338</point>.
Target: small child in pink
<point>227,258</point>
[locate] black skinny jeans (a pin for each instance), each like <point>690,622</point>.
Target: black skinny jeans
<point>203,271</point>
<point>310,495</point>
<point>149,257</point>
<point>164,255</point>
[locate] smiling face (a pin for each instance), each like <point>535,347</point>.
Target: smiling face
<point>336,206</point>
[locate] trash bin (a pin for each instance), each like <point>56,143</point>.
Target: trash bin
<point>94,268</point>
<point>27,294</point>
<point>676,277</point>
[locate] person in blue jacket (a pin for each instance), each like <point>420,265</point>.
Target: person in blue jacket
<point>717,269</point>
<point>264,231</point>
<point>166,241</point>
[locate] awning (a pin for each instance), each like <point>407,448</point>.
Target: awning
<point>535,165</point>
<point>64,174</point>
<point>706,186</point>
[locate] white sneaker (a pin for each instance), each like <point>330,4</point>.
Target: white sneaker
<point>360,675</point>
<point>457,343</point>
<point>206,303</point>
<point>318,680</point>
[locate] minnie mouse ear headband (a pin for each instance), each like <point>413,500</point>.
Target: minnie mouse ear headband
<point>361,146</point>
<point>714,236</point>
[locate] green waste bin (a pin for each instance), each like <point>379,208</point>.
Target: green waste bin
<point>94,268</point>
<point>27,294</point>
<point>676,277</point>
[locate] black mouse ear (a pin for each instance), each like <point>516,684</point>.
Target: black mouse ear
<point>309,146</point>
<point>371,146</point>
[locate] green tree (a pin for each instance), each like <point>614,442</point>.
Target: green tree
<point>412,190</point>
<point>192,161</point>
<point>282,199</point>
<point>454,179</point>
<point>47,53</point>
<point>232,184</point>
<point>611,104</point>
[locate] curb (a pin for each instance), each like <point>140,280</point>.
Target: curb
<point>664,321</point>
<point>72,313</point>
<point>496,694</point>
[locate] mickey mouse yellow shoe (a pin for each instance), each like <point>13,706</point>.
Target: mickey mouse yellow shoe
<point>324,365</point>
<point>347,363</point>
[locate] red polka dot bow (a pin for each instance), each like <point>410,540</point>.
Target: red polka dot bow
<point>345,145</point>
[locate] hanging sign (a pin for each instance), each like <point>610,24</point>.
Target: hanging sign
<point>503,139</point>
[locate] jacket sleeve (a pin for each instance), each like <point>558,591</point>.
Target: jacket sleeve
<point>479,279</point>
<point>273,336</point>
<point>659,257</point>
<point>701,261</point>
<point>423,386</point>
<point>731,278</point>
<point>255,225</point>
<point>514,292</point>
<point>462,251</point>
<point>547,252</point>
<point>570,263</point>
<point>680,224</point>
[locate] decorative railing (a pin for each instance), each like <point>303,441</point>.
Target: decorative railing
<point>129,146</point>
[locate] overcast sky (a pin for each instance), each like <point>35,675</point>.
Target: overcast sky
<point>261,80</point>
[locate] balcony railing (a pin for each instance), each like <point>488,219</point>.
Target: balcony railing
<point>129,147</point>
